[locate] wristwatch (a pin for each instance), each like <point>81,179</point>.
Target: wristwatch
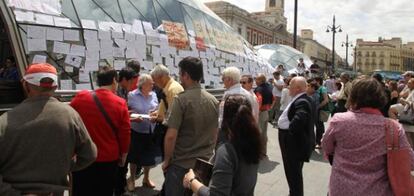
<point>189,182</point>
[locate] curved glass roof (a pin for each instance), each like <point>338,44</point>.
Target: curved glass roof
<point>110,32</point>
<point>277,54</point>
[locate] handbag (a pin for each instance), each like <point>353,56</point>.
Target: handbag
<point>398,163</point>
<point>160,129</point>
<point>407,117</point>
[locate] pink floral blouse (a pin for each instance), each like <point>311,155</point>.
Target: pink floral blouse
<point>357,140</point>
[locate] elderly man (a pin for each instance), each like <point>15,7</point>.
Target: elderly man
<point>192,127</point>
<point>42,139</point>
<point>231,81</point>
<point>296,135</point>
<point>264,95</point>
<point>406,91</point>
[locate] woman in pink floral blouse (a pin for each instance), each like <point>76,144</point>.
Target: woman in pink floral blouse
<point>356,139</point>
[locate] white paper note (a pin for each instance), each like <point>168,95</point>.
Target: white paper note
<point>92,54</point>
<point>121,43</point>
<point>92,45</point>
<point>88,24</point>
<point>117,35</point>
<point>44,19</point>
<point>119,64</point>
<point>118,52</point>
<point>90,35</point>
<point>54,34</point>
<point>83,75</point>
<point>71,35</point>
<point>126,28</point>
<point>104,35</point>
<point>62,48</point>
<point>137,27</point>
<point>39,59</point>
<point>129,36</point>
<point>22,16</point>
<point>69,69</point>
<point>91,65</point>
<point>66,85</point>
<point>106,44</point>
<point>62,22</point>
<point>106,53</point>
<point>147,26</point>
<point>36,45</point>
<point>73,60</point>
<point>131,53</point>
<point>36,32</point>
<point>83,86</point>
<point>77,50</point>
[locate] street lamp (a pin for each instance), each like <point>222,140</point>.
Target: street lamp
<point>333,29</point>
<point>295,25</point>
<point>347,44</point>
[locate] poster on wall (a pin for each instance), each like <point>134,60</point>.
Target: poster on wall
<point>201,35</point>
<point>52,7</point>
<point>177,35</point>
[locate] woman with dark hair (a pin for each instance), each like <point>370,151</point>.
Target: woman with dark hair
<point>237,159</point>
<point>356,140</point>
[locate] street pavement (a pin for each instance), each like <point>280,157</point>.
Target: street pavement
<point>271,178</point>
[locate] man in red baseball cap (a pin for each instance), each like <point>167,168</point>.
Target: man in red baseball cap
<point>42,139</point>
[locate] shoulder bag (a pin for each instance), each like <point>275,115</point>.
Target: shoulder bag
<point>398,163</point>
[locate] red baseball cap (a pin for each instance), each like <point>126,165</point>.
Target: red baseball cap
<point>36,72</point>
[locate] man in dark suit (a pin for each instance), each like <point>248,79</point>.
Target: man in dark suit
<point>296,134</point>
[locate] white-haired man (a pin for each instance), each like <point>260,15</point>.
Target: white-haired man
<point>231,81</point>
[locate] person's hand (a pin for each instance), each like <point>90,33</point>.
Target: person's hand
<point>165,165</point>
<point>188,176</point>
<point>403,101</point>
<point>394,94</point>
<point>153,116</point>
<point>122,160</point>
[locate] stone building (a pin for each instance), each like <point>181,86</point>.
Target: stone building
<point>317,51</point>
<point>257,28</point>
<point>388,55</point>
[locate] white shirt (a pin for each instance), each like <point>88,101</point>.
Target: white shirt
<point>285,99</point>
<point>284,122</point>
<point>276,92</point>
<point>238,89</point>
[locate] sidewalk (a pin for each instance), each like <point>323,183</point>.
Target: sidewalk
<point>271,178</point>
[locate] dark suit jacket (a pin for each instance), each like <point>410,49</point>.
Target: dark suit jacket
<point>301,115</point>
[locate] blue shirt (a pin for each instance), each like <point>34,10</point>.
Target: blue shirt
<point>140,104</point>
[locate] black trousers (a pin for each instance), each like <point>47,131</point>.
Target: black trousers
<point>293,166</point>
<point>97,179</point>
<point>121,182</point>
<point>320,130</point>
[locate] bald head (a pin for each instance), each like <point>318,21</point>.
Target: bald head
<point>260,79</point>
<point>297,86</point>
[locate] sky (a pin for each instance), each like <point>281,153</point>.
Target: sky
<point>366,19</point>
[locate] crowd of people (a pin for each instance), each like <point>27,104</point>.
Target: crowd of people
<point>137,121</point>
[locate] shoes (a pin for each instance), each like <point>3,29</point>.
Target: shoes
<point>131,185</point>
<point>148,185</point>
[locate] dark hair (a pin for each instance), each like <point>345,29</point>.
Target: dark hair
<point>367,92</point>
<point>193,67</point>
<point>378,77</point>
<point>106,76</point>
<point>319,80</point>
<point>249,78</point>
<point>276,73</point>
<point>313,85</point>
<point>239,123</point>
<point>338,85</point>
<point>128,73</point>
<point>134,65</point>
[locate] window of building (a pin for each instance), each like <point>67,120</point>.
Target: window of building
<point>359,53</point>
<point>367,54</point>
<point>239,30</point>
<point>254,39</point>
<point>272,3</point>
<point>249,39</point>
<point>374,54</point>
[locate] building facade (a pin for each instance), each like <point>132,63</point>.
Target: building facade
<point>387,55</point>
<point>259,27</point>
<point>317,51</point>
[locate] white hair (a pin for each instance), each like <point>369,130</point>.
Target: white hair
<point>143,78</point>
<point>160,70</point>
<point>233,73</point>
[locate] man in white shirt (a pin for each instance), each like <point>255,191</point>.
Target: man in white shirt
<point>296,135</point>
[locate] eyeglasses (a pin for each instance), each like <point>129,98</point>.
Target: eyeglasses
<point>243,82</point>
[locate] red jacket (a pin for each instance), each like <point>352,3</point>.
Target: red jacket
<point>100,131</point>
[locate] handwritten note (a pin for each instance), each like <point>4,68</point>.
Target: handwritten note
<point>54,34</point>
<point>119,64</point>
<point>44,19</point>
<point>62,22</point>
<point>90,35</point>
<point>36,45</point>
<point>66,85</point>
<point>88,24</point>
<point>39,59</point>
<point>73,60</point>
<point>36,32</point>
<point>22,16</point>
<point>62,48</point>
<point>77,50</point>
<point>71,35</point>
